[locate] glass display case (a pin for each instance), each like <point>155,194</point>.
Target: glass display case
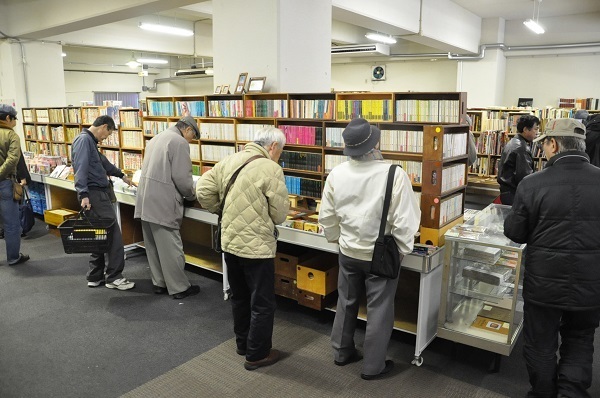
<point>482,304</point>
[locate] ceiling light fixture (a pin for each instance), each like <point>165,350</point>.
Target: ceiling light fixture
<point>152,61</point>
<point>171,30</point>
<point>209,71</point>
<point>381,38</point>
<point>64,54</point>
<point>132,62</point>
<point>532,24</point>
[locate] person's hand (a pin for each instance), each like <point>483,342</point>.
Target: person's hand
<point>85,204</point>
<point>127,180</point>
<point>24,182</point>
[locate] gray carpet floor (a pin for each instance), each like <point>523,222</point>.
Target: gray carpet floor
<point>59,338</point>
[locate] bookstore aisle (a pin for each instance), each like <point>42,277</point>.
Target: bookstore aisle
<point>59,338</point>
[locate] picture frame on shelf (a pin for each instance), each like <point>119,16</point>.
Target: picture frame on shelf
<point>525,102</point>
<point>225,89</point>
<point>241,83</point>
<point>218,90</point>
<point>256,84</point>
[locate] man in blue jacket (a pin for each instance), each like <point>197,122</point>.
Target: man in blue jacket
<point>95,192</point>
<point>556,213</point>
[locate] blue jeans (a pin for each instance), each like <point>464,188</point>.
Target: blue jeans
<point>9,210</point>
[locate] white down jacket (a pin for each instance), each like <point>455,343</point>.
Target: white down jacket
<point>256,202</point>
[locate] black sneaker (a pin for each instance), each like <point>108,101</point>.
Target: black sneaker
<point>22,259</point>
<point>159,290</point>
<point>191,291</point>
<point>389,365</point>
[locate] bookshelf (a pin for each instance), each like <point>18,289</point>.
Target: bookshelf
<point>430,107</point>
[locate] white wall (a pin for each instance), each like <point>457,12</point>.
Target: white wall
<point>417,75</point>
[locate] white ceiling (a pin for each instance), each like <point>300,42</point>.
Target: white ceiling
<point>521,9</point>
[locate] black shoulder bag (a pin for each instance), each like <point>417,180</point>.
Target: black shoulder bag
<point>217,236</point>
<point>386,258</point>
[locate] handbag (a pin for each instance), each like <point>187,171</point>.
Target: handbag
<point>386,257</point>
<point>17,191</point>
<point>217,235</point>
<point>26,214</point>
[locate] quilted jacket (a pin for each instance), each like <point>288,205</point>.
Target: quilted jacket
<point>256,202</point>
<point>515,164</point>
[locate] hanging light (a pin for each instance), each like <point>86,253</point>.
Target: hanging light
<point>132,63</point>
<point>533,24</point>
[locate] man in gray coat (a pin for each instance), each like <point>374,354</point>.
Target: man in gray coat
<point>166,181</point>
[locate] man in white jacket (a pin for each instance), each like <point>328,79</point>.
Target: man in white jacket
<point>350,215</point>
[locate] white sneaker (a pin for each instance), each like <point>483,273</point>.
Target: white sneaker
<point>95,283</point>
<point>120,284</point>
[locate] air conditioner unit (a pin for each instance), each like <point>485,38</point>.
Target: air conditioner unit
<point>192,72</point>
<point>365,50</point>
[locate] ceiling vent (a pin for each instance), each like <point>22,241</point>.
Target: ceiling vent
<point>192,72</point>
<point>364,50</point>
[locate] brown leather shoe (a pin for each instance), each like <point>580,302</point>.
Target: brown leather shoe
<point>269,360</point>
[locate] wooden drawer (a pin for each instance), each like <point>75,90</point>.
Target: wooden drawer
<point>286,287</point>
<point>319,274</point>
<point>287,258</point>
<point>315,301</point>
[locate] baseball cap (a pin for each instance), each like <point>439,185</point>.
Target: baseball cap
<point>190,121</point>
<point>563,128</point>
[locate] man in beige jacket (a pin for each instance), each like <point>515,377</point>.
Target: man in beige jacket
<point>165,182</point>
<point>256,202</point>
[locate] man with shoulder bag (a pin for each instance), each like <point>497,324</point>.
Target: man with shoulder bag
<point>352,214</point>
<point>10,151</point>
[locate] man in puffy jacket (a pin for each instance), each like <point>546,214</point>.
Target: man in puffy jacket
<point>592,139</point>
<point>556,213</point>
<point>516,161</point>
<point>255,203</point>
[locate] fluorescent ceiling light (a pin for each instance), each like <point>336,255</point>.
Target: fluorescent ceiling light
<point>209,71</point>
<point>152,61</point>
<point>381,38</point>
<point>133,64</point>
<point>534,26</point>
<point>64,54</point>
<point>171,30</point>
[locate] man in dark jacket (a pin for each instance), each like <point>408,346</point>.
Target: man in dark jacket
<point>556,213</point>
<point>592,139</point>
<point>516,161</point>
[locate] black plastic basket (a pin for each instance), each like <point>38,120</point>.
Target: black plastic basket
<point>86,234</point>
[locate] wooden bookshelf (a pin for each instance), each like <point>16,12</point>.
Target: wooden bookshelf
<point>430,107</point>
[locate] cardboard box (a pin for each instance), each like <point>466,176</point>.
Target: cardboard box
<point>286,287</point>
<point>318,274</point>
<point>57,216</point>
<point>287,258</point>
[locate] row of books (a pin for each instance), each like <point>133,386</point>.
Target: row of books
<point>151,127</point>
<point>301,161</point>
<point>59,150</point>
<point>42,133</point>
<point>454,145</point>
<point>266,108</point>
<point>195,152</point>
<point>217,131</point>
<point>304,186</point>
<point>451,207</point>
<point>453,176</point>
<point>57,134</point>
<point>302,135</point>
<point>377,110</point>
<point>312,109</point>
<point>491,142</point>
<point>56,116</point>
<point>485,166</point>
<point>401,141</point>
<point>112,156</point>
<point>160,108</point>
<point>42,116</point>
<point>130,118</point>
<point>131,138</point>
<point>215,153</point>
<point>89,115</point>
<point>132,161</point>
<point>226,108</point>
<point>436,111</point>
<point>112,140</point>
<point>190,108</point>
<point>247,132</point>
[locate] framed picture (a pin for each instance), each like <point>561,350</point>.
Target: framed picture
<point>241,83</point>
<point>525,102</point>
<point>225,89</point>
<point>218,90</point>
<point>256,84</point>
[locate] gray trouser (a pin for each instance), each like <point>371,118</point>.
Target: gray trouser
<point>164,249</point>
<point>102,207</point>
<point>353,277</point>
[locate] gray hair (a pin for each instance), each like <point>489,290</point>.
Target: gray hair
<point>570,144</point>
<point>268,135</point>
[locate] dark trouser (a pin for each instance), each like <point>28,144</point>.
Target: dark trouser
<point>102,207</point>
<point>572,375</point>
<point>252,283</point>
